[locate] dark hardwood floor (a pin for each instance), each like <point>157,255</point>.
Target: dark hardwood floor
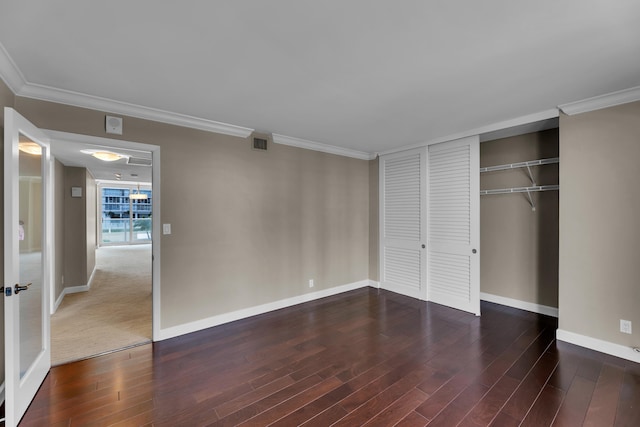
<point>366,357</point>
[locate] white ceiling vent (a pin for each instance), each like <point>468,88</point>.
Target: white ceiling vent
<point>138,161</point>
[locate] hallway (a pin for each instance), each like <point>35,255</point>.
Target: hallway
<point>115,313</point>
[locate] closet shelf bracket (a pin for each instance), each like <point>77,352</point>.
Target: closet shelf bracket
<point>533,181</point>
<point>533,205</point>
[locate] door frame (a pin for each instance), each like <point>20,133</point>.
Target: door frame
<point>155,207</point>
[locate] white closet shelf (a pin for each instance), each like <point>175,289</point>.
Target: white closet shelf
<point>518,165</point>
<point>532,189</point>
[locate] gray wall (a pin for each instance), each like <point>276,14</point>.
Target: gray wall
<point>75,227</point>
<point>519,247</point>
<point>248,227</point>
<point>76,233</point>
<point>599,223</point>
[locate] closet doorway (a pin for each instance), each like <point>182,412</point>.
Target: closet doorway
<point>520,220</point>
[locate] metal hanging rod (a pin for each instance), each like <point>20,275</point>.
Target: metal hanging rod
<point>521,165</point>
<point>520,189</point>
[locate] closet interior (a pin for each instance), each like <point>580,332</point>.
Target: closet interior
<point>519,220</point>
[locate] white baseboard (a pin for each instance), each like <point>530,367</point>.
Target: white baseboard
<point>522,305</point>
<point>69,290</point>
<point>210,322</point>
<point>74,290</point>
<point>602,346</point>
<point>374,284</point>
<point>90,281</point>
<point>58,301</point>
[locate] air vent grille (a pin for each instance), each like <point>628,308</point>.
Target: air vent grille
<point>259,144</point>
<point>138,161</point>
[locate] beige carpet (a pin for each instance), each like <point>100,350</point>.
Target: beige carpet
<point>116,311</point>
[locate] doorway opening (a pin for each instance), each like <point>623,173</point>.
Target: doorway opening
<point>113,303</point>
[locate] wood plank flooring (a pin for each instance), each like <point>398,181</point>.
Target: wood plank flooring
<point>366,357</point>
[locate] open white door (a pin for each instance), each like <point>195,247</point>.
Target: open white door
<point>27,262</point>
<point>454,224</point>
<point>402,234</point>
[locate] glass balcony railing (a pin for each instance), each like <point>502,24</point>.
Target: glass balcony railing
<point>126,230</point>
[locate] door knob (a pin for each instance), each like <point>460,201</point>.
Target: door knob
<point>423,246</point>
<point>18,288</point>
<point>473,251</point>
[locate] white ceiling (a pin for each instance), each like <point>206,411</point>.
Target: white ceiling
<point>69,153</point>
<point>366,75</point>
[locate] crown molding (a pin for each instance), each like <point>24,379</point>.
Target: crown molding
<point>16,81</point>
<point>9,72</point>
<point>76,99</point>
<point>325,148</point>
<point>602,101</point>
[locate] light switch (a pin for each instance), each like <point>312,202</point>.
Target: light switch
<point>166,228</point>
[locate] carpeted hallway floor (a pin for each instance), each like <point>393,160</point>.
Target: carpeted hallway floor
<point>116,311</point>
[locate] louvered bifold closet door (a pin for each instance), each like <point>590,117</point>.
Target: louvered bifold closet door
<point>403,197</point>
<point>454,224</point>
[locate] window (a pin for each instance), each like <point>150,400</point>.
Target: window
<point>125,220</point>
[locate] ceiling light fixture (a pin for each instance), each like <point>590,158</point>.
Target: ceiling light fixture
<point>106,156</point>
<point>138,195</point>
<point>30,148</point>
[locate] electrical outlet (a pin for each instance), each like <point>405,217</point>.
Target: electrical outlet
<point>625,326</point>
<point>311,283</point>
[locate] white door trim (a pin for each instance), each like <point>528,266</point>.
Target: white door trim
<point>155,205</point>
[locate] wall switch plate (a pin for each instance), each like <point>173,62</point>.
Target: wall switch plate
<point>76,191</point>
<point>166,228</point>
<point>311,283</point>
<point>625,326</point>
